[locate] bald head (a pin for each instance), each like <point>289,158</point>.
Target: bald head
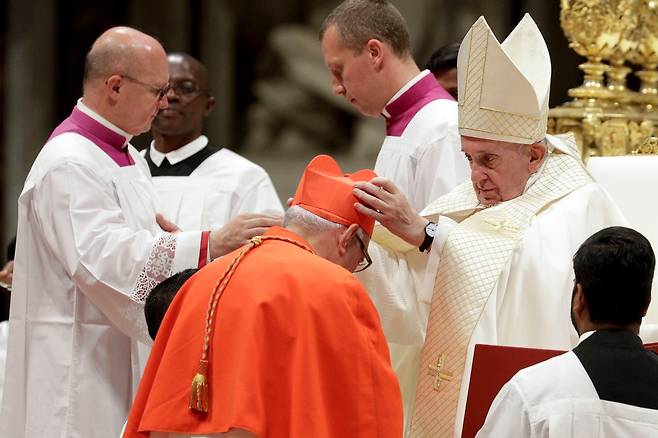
<point>126,77</point>
<point>120,50</point>
<point>192,65</point>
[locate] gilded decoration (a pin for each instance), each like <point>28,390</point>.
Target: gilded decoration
<point>606,117</point>
<point>648,146</point>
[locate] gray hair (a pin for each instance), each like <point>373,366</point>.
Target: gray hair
<point>312,222</point>
<point>358,21</point>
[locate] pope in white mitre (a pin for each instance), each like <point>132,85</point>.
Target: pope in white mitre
<point>490,262</point>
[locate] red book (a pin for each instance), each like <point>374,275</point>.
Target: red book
<point>493,366</point>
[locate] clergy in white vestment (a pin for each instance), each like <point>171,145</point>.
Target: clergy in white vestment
<point>498,269</point>
<point>198,186</point>
<point>88,252</point>
<point>606,386</point>
<point>367,50</point>
<point>421,153</point>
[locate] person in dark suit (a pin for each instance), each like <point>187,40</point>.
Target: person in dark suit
<point>608,383</point>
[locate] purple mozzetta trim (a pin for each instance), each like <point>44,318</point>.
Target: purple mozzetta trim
<point>405,107</point>
<point>109,141</point>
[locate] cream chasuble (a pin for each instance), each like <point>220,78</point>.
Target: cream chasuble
<point>523,301</point>
<point>500,275</point>
<point>471,261</point>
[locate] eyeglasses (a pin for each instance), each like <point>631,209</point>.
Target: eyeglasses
<point>366,261</point>
<point>185,88</point>
<point>160,92</point>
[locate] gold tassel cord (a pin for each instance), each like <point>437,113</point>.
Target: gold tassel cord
<point>200,390</point>
<point>199,395</point>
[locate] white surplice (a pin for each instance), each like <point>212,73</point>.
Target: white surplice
<point>529,304</point>
<point>425,160</point>
<point>223,186</point>
<point>556,399</point>
<point>88,253</point>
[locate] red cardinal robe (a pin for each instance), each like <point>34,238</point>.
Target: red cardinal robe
<point>297,350</point>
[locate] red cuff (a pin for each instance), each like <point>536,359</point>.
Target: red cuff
<point>203,249</point>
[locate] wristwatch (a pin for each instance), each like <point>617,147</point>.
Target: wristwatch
<point>430,232</point>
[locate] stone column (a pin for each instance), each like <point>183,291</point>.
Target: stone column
<point>30,96</point>
<point>167,20</point>
<point>217,52</point>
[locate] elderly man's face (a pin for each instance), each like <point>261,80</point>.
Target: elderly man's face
<point>500,170</point>
<point>142,99</point>
<point>188,100</point>
<point>352,75</point>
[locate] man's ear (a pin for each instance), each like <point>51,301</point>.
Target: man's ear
<point>579,304</point>
<point>210,104</point>
<point>345,238</point>
<point>113,86</point>
<point>375,51</point>
<point>537,154</point>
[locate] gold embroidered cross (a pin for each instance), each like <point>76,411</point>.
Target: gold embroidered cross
<point>501,225</point>
<point>435,370</point>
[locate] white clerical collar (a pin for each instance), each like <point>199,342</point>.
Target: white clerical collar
<point>402,90</point>
<point>585,336</point>
<point>180,154</point>
<point>103,121</point>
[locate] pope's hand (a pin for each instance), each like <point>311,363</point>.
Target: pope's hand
<point>237,233</point>
<point>382,200</point>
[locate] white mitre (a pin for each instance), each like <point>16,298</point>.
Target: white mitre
<point>504,88</point>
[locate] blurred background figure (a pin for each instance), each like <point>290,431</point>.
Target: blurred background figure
<point>443,65</point>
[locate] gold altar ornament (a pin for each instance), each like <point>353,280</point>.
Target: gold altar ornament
<point>606,117</point>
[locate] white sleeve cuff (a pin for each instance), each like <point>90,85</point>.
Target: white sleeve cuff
<point>188,246</point>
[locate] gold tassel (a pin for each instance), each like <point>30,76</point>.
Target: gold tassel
<point>199,399</point>
<point>200,392</point>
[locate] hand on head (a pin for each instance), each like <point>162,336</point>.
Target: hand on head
<point>381,200</point>
<point>238,231</point>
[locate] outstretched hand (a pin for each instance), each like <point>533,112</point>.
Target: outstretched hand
<point>165,224</point>
<point>381,200</point>
<point>238,231</point>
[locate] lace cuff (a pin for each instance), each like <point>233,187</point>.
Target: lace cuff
<point>157,268</point>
